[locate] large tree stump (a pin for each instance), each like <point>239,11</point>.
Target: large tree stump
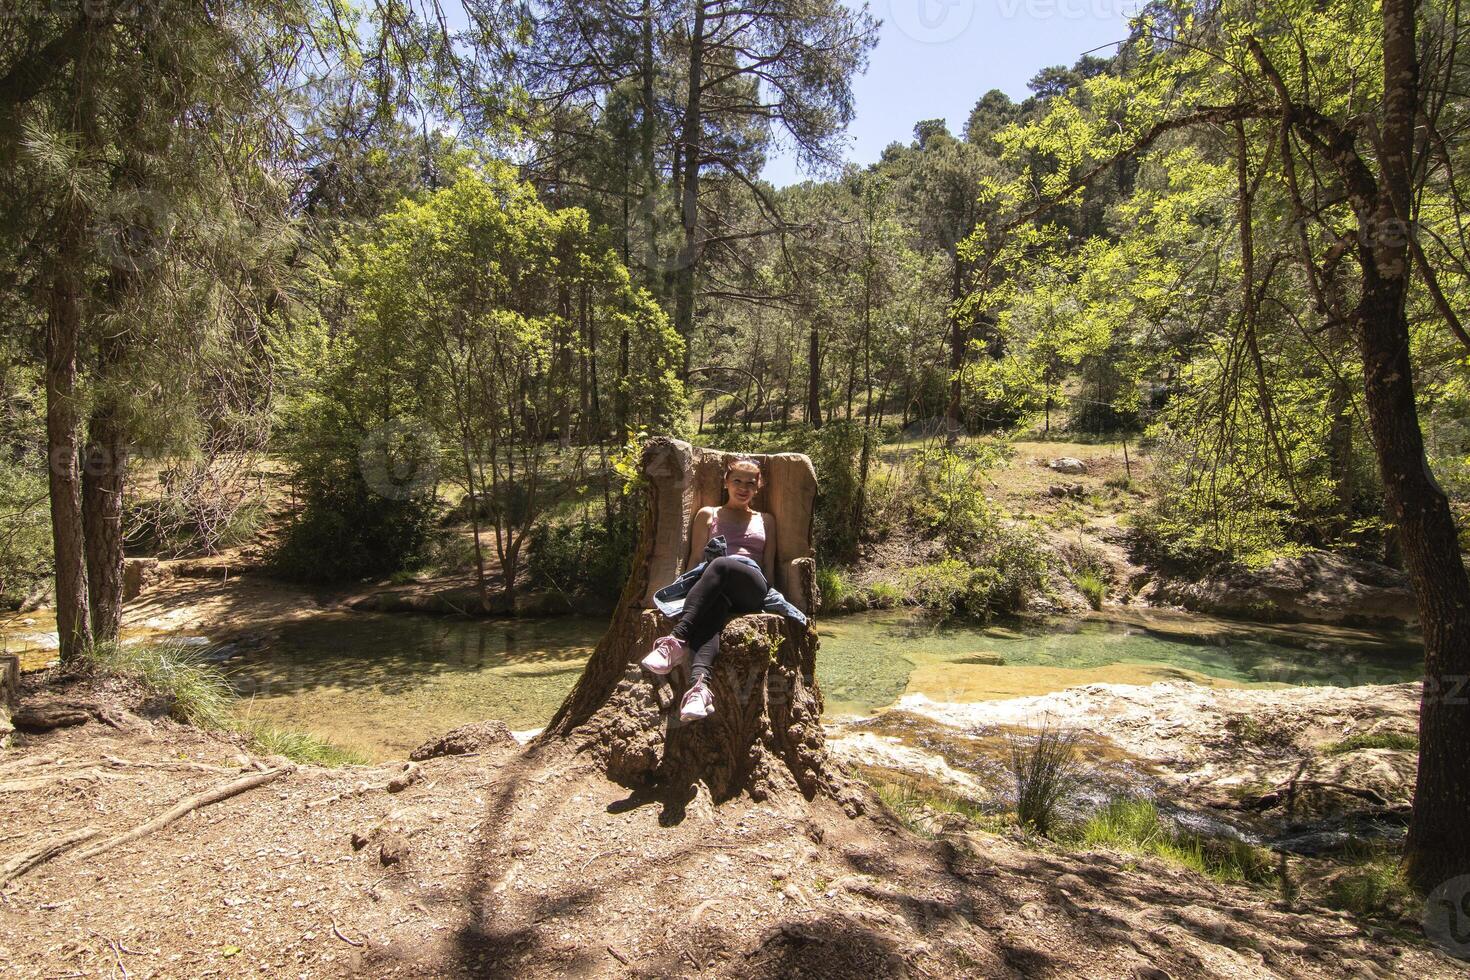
<point>765,737</point>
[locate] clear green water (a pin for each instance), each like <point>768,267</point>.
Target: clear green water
<point>383,684</point>
<point>871,659</point>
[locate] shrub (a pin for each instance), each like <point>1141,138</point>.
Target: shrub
<point>582,560</point>
<point>832,588</point>
<point>1011,572</point>
<point>948,496</point>
<point>885,595</point>
<point>348,532</point>
<point>1046,772</point>
<point>836,451</point>
<point>1092,586</point>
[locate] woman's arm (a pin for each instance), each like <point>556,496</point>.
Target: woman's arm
<point>698,536</point>
<point>768,557</point>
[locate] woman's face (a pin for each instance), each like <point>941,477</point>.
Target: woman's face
<point>741,483</point>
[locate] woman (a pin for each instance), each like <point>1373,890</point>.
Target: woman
<point>730,586</point>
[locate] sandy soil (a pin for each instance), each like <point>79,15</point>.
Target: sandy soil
<point>525,862</point>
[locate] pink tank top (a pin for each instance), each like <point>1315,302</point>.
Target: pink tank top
<point>748,540</point>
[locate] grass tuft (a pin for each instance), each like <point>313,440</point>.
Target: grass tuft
<point>1375,888</point>
<point>832,588</point>
<point>1373,740</point>
<point>200,694</point>
<point>914,803</point>
<point>1092,586</point>
<point>302,747</point>
<point>1136,827</point>
<point>197,690</point>
<point>1046,771</point>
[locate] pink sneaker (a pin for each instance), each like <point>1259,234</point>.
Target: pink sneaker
<point>698,703</point>
<point>668,652</point>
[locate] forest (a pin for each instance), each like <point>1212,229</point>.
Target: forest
<point>389,304</point>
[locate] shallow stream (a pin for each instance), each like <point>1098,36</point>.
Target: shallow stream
<point>383,684</point>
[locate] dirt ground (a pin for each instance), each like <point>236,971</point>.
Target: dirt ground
<point>524,861</point>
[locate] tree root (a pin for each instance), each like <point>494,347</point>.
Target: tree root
<point>222,792</point>
<point>22,784</point>
<point>31,762</point>
<point>40,854</point>
<point>118,763</point>
<point>407,776</point>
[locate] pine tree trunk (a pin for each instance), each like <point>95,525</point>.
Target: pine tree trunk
<point>693,134</point>
<point>63,334</point>
<point>103,479</point>
<point>814,378</point>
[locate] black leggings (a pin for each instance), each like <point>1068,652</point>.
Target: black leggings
<point>727,588</point>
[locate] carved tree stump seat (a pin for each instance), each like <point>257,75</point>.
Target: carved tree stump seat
<point>765,736</point>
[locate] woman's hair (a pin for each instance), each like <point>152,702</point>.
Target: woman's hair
<point>735,461</point>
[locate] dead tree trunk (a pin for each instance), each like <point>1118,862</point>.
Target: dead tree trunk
<point>765,737</point>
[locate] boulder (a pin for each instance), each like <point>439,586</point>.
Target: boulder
<point>478,737</point>
<point>1317,587</point>
<point>1068,464</point>
<point>140,575</point>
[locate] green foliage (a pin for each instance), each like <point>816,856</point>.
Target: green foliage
<point>1046,771</point>
<point>199,694</point>
<point>583,560</point>
<point>356,519</point>
<point>884,595</point>
<point>1013,569</point>
<point>1135,826</point>
<point>832,587</point>
<point>25,531</point>
<point>1399,741</point>
<point>948,495</point>
<point>916,804</point>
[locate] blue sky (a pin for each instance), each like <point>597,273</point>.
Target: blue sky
<point>935,58</point>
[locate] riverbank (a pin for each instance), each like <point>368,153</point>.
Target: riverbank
<point>460,866</point>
